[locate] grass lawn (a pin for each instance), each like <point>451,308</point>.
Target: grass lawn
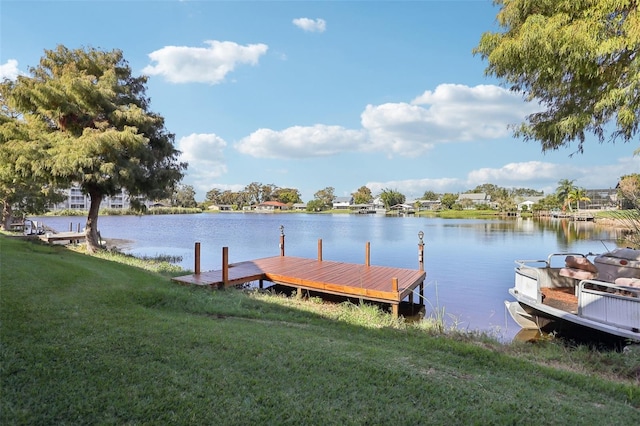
<point>85,340</point>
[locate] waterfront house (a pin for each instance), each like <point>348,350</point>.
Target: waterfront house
<point>472,200</point>
<point>271,206</point>
<point>342,202</point>
<point>300,206</point>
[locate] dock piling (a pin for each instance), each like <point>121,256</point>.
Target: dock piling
<point>367,254</point>
<point>281,240</point>
<point>197,259</point>
<point>319,249</point>
<point>421,250</point>
<point>225,266</point>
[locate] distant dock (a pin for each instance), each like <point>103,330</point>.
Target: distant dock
<point>72,237</point>
<point>383,284</point>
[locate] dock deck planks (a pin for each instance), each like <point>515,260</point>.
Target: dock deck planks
<point>344,279</point>
<point>63,236</point>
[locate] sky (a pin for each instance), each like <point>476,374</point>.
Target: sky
<point>317,94</point>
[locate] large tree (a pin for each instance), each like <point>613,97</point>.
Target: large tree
<point>287,195</point>
<point>578,59</point>
<point>565,187</point>
<point>325,196</point>
<point>430,195</point>
<point>184,196</point>
<point>575,196</point>
<point>391,197</point>
<point>21,193</point>
<point>448,200</point>
<point>97,128</point>
<point>629,191</point>
<point>362,195</point>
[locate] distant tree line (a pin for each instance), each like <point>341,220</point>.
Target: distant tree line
<point>567,196</point>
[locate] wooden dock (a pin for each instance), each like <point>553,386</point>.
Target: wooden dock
<point>72,237</point>
<point>374,283</point>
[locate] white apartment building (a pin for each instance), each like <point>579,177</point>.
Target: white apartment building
<point>76,200</point>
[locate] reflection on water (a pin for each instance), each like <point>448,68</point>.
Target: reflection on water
<point>570,335</point>
<point>469,262</point>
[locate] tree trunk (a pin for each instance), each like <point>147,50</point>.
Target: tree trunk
<point>7,216</point>
<point>91,231</point>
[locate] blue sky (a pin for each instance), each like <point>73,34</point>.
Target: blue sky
<point>308,95</point>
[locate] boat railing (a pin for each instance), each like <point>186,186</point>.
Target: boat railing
<point>609,303</point>
<point>536,263</point>
<point>531,263</point>
<point>564,255</point>
<point>610,288</point>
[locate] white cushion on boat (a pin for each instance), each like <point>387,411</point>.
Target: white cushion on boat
<point>578,274</point>
<point>628,282</point>
<point>579,262</point>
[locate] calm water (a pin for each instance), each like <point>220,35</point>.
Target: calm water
<point>469,263</point>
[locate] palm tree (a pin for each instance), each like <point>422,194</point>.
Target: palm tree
<point>577,195</point>
<point>504,199</point>
<point>565,186</point>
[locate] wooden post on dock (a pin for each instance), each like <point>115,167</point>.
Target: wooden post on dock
<point>395,306</point>
<point>421,250</point>
<point>421,266</point>
<point>225,266</point>
<point>196,267</point>
<point>367,254</point>
<point>281,240</point>
<point>319,249</point>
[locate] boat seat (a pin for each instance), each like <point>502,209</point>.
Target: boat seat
<point>579,268</point>
<point>628,282</point>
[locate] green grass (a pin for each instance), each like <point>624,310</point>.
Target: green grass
<point>85,340</point>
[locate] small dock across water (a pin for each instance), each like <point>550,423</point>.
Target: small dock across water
<point>374,283</point>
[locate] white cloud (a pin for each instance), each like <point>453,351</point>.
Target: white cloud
<point>515,173</point>
<point>415,188</point>
<point>451,113</point>
<point>538,175</point>
<point>301,142</point>
<point>205,155</point>
<point>545,176</point>
<point>9,70</point>
<point>311,25</point>
<point>182,64</point>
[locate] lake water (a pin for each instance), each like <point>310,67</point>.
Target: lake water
<point>469,262</point>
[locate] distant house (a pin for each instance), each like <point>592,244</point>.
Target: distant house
<point>221,207</point>
<point>403,208</point>
<point>299,206</point>
<point>342,202</point>
<point>429,204</point>
<point>601,199</point>
<point>474,199</point>
<point>527,202</point>
<point>271,206</point>
<point>378,203</point>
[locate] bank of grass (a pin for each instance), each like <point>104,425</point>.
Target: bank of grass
<point>127,212</point>
<point>89,340</point>
<point>461,214</point>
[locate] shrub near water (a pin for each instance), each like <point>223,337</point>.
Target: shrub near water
<point>86,340</point>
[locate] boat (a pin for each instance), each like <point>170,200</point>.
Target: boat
<point>33,227</point>
<point>596,293</point>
